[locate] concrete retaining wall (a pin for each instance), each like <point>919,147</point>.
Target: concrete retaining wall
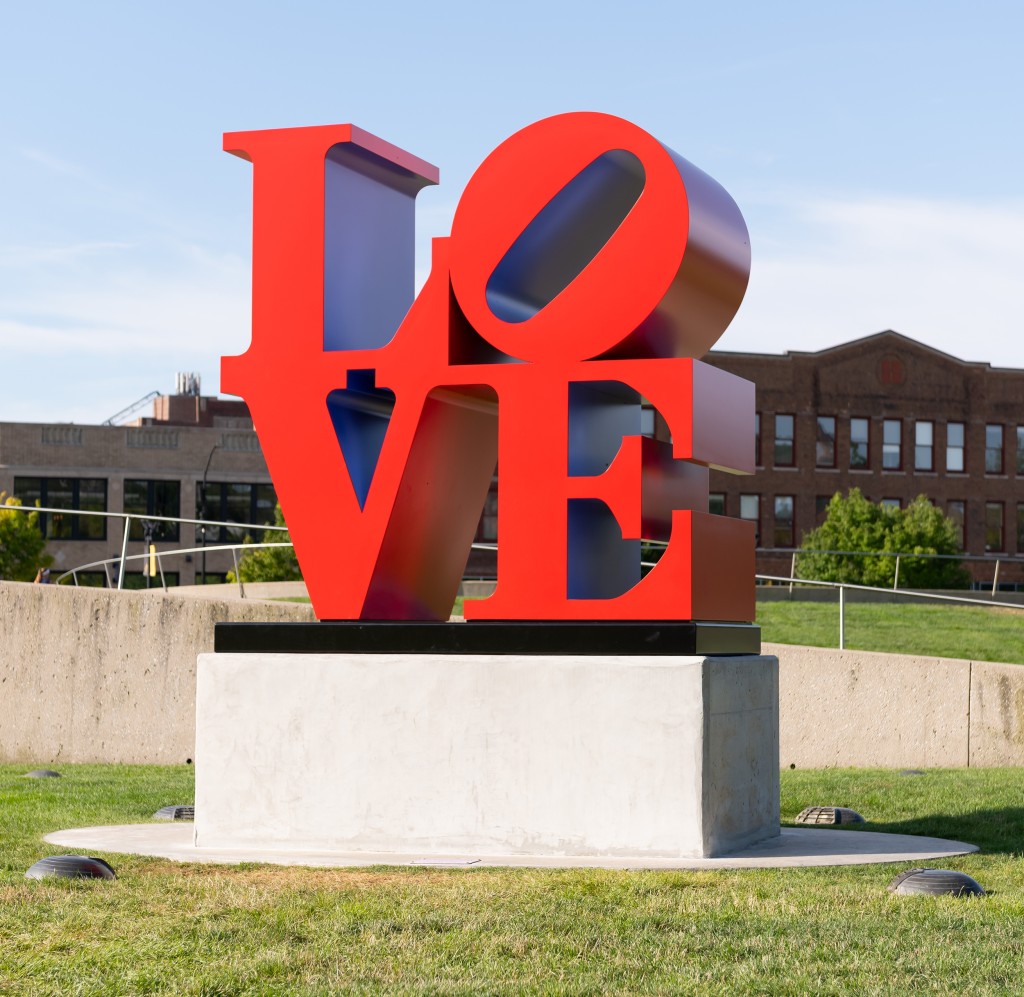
<point>89,675</point>
<point>896,711</point>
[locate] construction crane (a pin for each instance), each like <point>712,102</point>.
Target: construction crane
<point>134,407</point>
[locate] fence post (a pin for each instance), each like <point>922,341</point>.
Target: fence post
<point>792,572</point>
<point>896,578</point>
<point>124,553</point>
<point>842,618</point>
<point>238,574</point>
<point>995,579</point>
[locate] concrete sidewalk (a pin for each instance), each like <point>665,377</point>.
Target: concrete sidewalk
<point>794,848</point>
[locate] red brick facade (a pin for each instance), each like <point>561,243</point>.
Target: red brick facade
<point>895,419</point>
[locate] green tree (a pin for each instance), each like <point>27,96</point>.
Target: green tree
<point>855,524</point>
<point>269,564</point>
<point>22,546</point>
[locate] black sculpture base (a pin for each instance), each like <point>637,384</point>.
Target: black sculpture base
<point>676,637</point>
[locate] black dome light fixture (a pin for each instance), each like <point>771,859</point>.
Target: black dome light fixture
<point>935,882</point>
<point>175,813</point>
<point>828,816</point>
<point>71,867</point>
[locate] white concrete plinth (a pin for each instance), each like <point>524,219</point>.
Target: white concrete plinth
<point>542,755</point>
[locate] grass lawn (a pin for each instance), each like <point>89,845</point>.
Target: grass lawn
<point>164,928</point>
<point>948,631</point>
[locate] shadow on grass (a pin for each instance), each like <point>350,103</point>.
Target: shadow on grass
<point>993,831</point>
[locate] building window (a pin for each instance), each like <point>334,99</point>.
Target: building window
<point>924,449</point>
<point>1020,449</point>
<point>716,503</point>
<point>647,426</point>
<point>87,494</point>
<point>821,503</point>
<point>153,498</point>
<point>891,503</point>
<point>825,445</point>
<point>139,579</point>
<point>89,579</point>
<point>1020,527</point>
<point>487,528</point>
<point>892,444</point>
<point>859,442</point>
<point>956,509</point>
<point>784,528</point>
<point>212,578</point>
<point>750,510</point>
<point>955,438</point>
<point>785,431</point>
<point>236,502</point>
<point>993,449</point>
<point>994,527</point>
<point>757,439</point>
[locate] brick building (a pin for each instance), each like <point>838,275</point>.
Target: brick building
<point>884,414</point>
<point>895,419</point>
<point>158,466</point>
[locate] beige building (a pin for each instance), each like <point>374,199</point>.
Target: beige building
<point>157,467</point>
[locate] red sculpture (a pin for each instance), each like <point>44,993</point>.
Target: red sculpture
<point>588,267</point>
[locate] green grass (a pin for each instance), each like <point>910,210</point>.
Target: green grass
<point>946,631</point>
<point>164,928</point>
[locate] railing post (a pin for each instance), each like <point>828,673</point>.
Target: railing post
<point>124,553</point>
<point>896,577</point>
<point>995,579</point>
<point>842,618</point>
<point>238,574</point>
<point>792,572</point>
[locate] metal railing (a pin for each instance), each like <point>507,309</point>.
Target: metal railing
<point>909,593</point>
<point>792,580</point>
<point>997,560</point>
<point>125,557</point>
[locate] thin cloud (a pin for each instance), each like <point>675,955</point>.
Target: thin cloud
<point>52,163</point>
<point>944,272</point>
<point>195,304</point>
<point>33,256</point>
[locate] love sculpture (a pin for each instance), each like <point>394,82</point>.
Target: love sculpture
<point>589,267</point>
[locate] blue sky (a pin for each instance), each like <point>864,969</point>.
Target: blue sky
<point>876,151</point>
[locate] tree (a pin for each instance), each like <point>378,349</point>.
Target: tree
<point>855,524</point>
<point>22,546</point>
<point>270,564</point>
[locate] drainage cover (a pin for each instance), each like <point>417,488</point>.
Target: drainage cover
<point>829,815</point>
<point>175,813</point>
<point>42,774</point>
<point>71,867</point>
<point>911,772</point>
<point>935,882</point>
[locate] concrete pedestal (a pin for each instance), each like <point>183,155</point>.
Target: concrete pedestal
<point>472,754</point>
